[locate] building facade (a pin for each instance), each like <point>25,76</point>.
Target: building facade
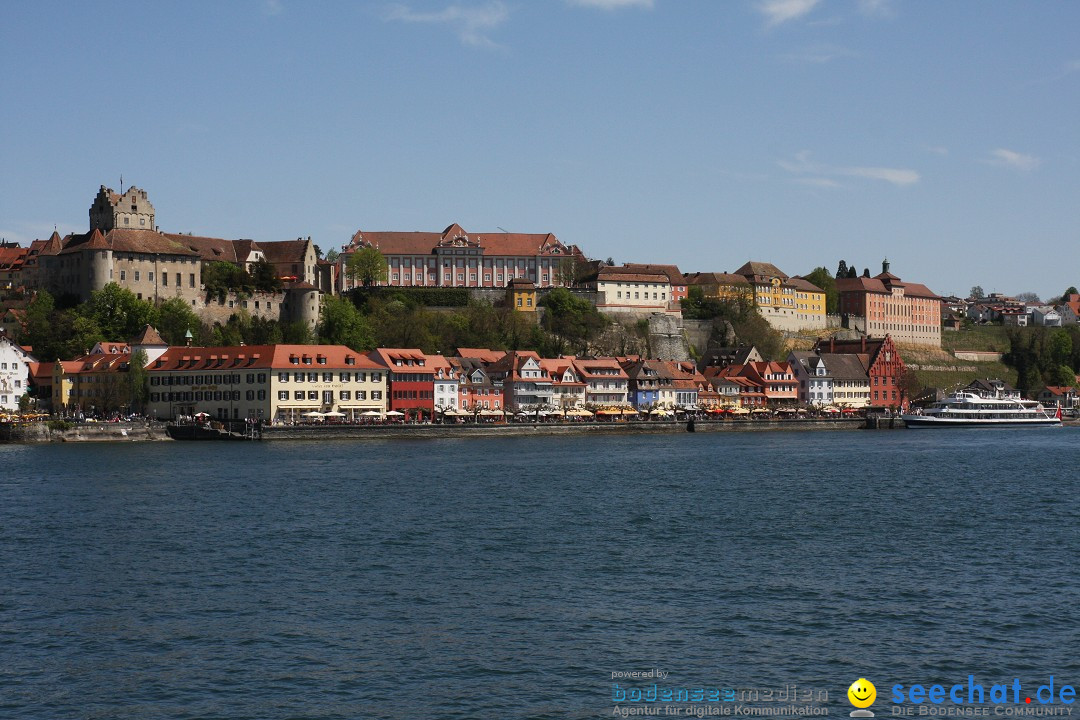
<point>884,305</point>
<point>272,383</point>
<point>455,258</point>
<point>14,373</point>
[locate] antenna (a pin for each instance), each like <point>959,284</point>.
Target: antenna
<point>121,183</point>
<point>503,229</point>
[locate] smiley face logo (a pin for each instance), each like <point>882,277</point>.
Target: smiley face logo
<point>862,693</point>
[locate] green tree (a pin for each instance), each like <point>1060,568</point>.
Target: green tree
<point>841,269</point>
<point>977,292</point>
<point>340,323</point>
<point>297,333</point>
<point>332,256</point>
<point>821,277</point>
<point>264,276</point>
<point>138,381</point>
<point>175,319</point>
<point>79,333</point>
<point>218,278</point>
<point>119,314</point>
<point>572,318</point>
<point>366,266</point>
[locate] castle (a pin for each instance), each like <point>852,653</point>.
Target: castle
<point>125,246</point>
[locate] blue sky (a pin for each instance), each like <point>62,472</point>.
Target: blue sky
<point>704,133</point>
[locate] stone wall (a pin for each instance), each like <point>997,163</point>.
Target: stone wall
<point>267,306</point>
<point>666,338</point>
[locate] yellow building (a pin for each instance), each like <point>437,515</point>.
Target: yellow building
<point>95,384</point>
<point>787,303</point>
<point>274,383</point>
<point>521,293</point>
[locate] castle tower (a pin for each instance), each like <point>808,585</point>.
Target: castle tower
<point>112,211</point>
<point>304,303</point>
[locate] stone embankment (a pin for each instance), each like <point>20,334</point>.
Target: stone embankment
<point>380,432</point>
<point>41,432</point>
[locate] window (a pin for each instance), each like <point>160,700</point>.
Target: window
<point>283,377</point>
<point>376,395</point>
<point>298,395</point>
<point>136,276</point>
<point>313,395</point>
<point>191,282</point>
<point>177,279</point>
<point>283,395</point>
<point>150,276</point>
<point>123,275</point>
<point>313,377</point>
<point>346,377</point>
<point>165,279</point>
<point>345,394</point>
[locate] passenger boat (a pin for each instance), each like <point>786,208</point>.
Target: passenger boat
<point>969,409</point>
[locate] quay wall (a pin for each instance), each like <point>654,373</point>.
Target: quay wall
<point>381,432</point>
<point>83,432</point>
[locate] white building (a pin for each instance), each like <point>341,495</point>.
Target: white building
<point>447,384</point>
<point>14,373</point>
<point>815,382</point>
<point>1046,315</point>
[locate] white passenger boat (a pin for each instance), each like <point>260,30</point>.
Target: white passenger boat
<point>969,409</point>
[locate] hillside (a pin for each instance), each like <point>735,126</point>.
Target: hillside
<point>940,369</point>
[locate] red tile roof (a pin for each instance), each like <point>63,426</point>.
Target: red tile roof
<point>240,357</point>
<point>492,244</point>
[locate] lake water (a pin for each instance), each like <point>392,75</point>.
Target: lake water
<point>510,577</point>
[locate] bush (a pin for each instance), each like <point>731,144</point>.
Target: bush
<point>59,425</point>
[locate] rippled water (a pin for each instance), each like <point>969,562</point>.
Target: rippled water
<point>508,578</point>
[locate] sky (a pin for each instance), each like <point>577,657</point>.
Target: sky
<point>705,133</point>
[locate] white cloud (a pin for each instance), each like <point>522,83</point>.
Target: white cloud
<point>612,4</point>
<point>818,182</point>
<point>777,12</point>
<point>1010,158</point>
<point>471,23</point>
<point>896,176</point>
<point>877,8</point>
<point>818,54</point>
<point>802,165</point>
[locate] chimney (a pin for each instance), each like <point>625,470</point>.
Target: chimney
<point>864,343</point>
<point>885,265</point>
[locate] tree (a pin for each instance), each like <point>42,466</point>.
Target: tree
<point>118,313</point>
<point>569,271</point>
<point>220,277</point>
<point>367,266</point>
<point>852,272</point>
<point>908,384</point>
<point>1071,290</point>
<point>340,323</point>
<point>572,318</point>
<point>866,272</point>
<point>175,319</point>
<point>264,276</point>
<point>841,270</point>
<point>1029,298</point>
<point>332,256</point>
<point>821,277</point>
<point>318,251</point>
<point>977,292</point>
<point>137,380</point>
